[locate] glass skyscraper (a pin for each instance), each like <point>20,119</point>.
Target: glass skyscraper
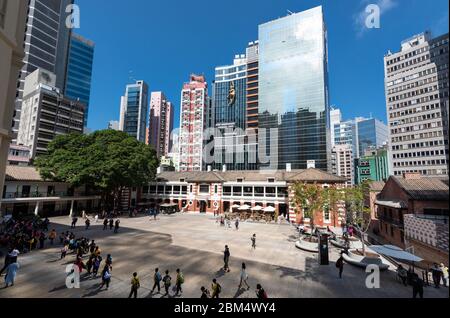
<point>371,133</point>
<point>134,110</point>
<point>293,91</point>
<point>79,71</point>
<point>230,115</point>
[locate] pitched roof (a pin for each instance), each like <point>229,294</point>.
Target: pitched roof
<point>424,189</point>
<point>21,173</point>
<point>377,186</point>
<point>309,175</point>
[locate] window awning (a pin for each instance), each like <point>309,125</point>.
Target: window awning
<point>392,204</point>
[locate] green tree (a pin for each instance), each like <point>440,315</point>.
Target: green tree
<point>358,214</point>
<point>107,161</point>
<point>309,199</point>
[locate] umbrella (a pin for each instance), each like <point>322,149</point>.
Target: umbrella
<point>395,252</point>
<point>269,209</point>
<point>244,207</point>
<point>257,208</point>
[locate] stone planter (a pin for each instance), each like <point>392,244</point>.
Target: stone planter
<point>305,245</point>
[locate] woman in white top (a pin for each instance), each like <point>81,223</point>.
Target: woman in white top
<point>244,276</point>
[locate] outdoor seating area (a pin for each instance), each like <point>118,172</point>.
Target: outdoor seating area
<point>254,214</point>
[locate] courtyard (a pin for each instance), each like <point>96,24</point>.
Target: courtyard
<point>195,243</point>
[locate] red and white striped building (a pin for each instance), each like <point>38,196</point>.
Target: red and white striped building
<point>213,191</point>
<point>194,97</point>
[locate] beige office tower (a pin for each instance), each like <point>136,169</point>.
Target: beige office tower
<point>416,80</point>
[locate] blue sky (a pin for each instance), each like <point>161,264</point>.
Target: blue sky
<point>162,42</point>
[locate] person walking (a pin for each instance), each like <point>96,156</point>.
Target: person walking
<point>167,280</point>
<point>105,224</point>
<point>417,285</point>
<point>8,260</point>
<point>340,265</point>
<point>253,239</point>
<point>11,272</point>
<point>436,273</point>
<point>179,282</point>
<point>116,226</point>
<point>64,251</point>
<point>106,277</point>
<point>157,281</point>
<point>97,261</point>
<point>87,223</point>
<point>244,277</point>
<point>135,284</point>
<point>96,218</point>
<point>226,259</point>
<point>260,292</point>
<point>216,289</point>
<point>52,236</point>
<point>42,239</point>
<point>236,224</point>
<point>444,270</point>
<point>205,293</point>
<point>74,222</point>
<point>111,224</point>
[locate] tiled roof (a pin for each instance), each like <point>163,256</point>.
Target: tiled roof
<point>309,175</point>
<point>21,173</point>
<point>424,188</point>
<point>377,186</point>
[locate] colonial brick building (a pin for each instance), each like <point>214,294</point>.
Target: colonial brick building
<point>413,213</point>
<point>213,191</point>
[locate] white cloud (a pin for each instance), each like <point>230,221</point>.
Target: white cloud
<point>360,18</point>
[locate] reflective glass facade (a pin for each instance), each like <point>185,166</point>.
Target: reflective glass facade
<point>134,110</point>
<point>293,89</point>
<point>371,133</point>
<point>79,71</point>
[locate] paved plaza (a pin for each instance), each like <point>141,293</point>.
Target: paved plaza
<point>195,244</point>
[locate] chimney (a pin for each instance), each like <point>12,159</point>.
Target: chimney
<point>288,167</point>
<point>224,168</point>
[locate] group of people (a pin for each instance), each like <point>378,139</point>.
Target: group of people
<point>112,225</point>
<point>439,273</point>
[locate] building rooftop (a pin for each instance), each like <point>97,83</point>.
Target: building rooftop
<point>308,175</point>
<point>377,186</point>
<point>21,173</point>
<point>424,189</point>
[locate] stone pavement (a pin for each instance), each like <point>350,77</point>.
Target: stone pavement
<point>194,243</point>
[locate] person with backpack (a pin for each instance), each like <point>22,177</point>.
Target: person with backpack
<point>216,289</point>
<point>179,282</point>
<point>106,277</point>
<point>226,259</point>
<point>156,280</point>
<point>167,280</point>
<point>260,292</point>
<point>340,265</point>
<point>135,284</point>
<point>205,293</point>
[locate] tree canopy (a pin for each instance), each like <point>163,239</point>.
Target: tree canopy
<point>106,160</point>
